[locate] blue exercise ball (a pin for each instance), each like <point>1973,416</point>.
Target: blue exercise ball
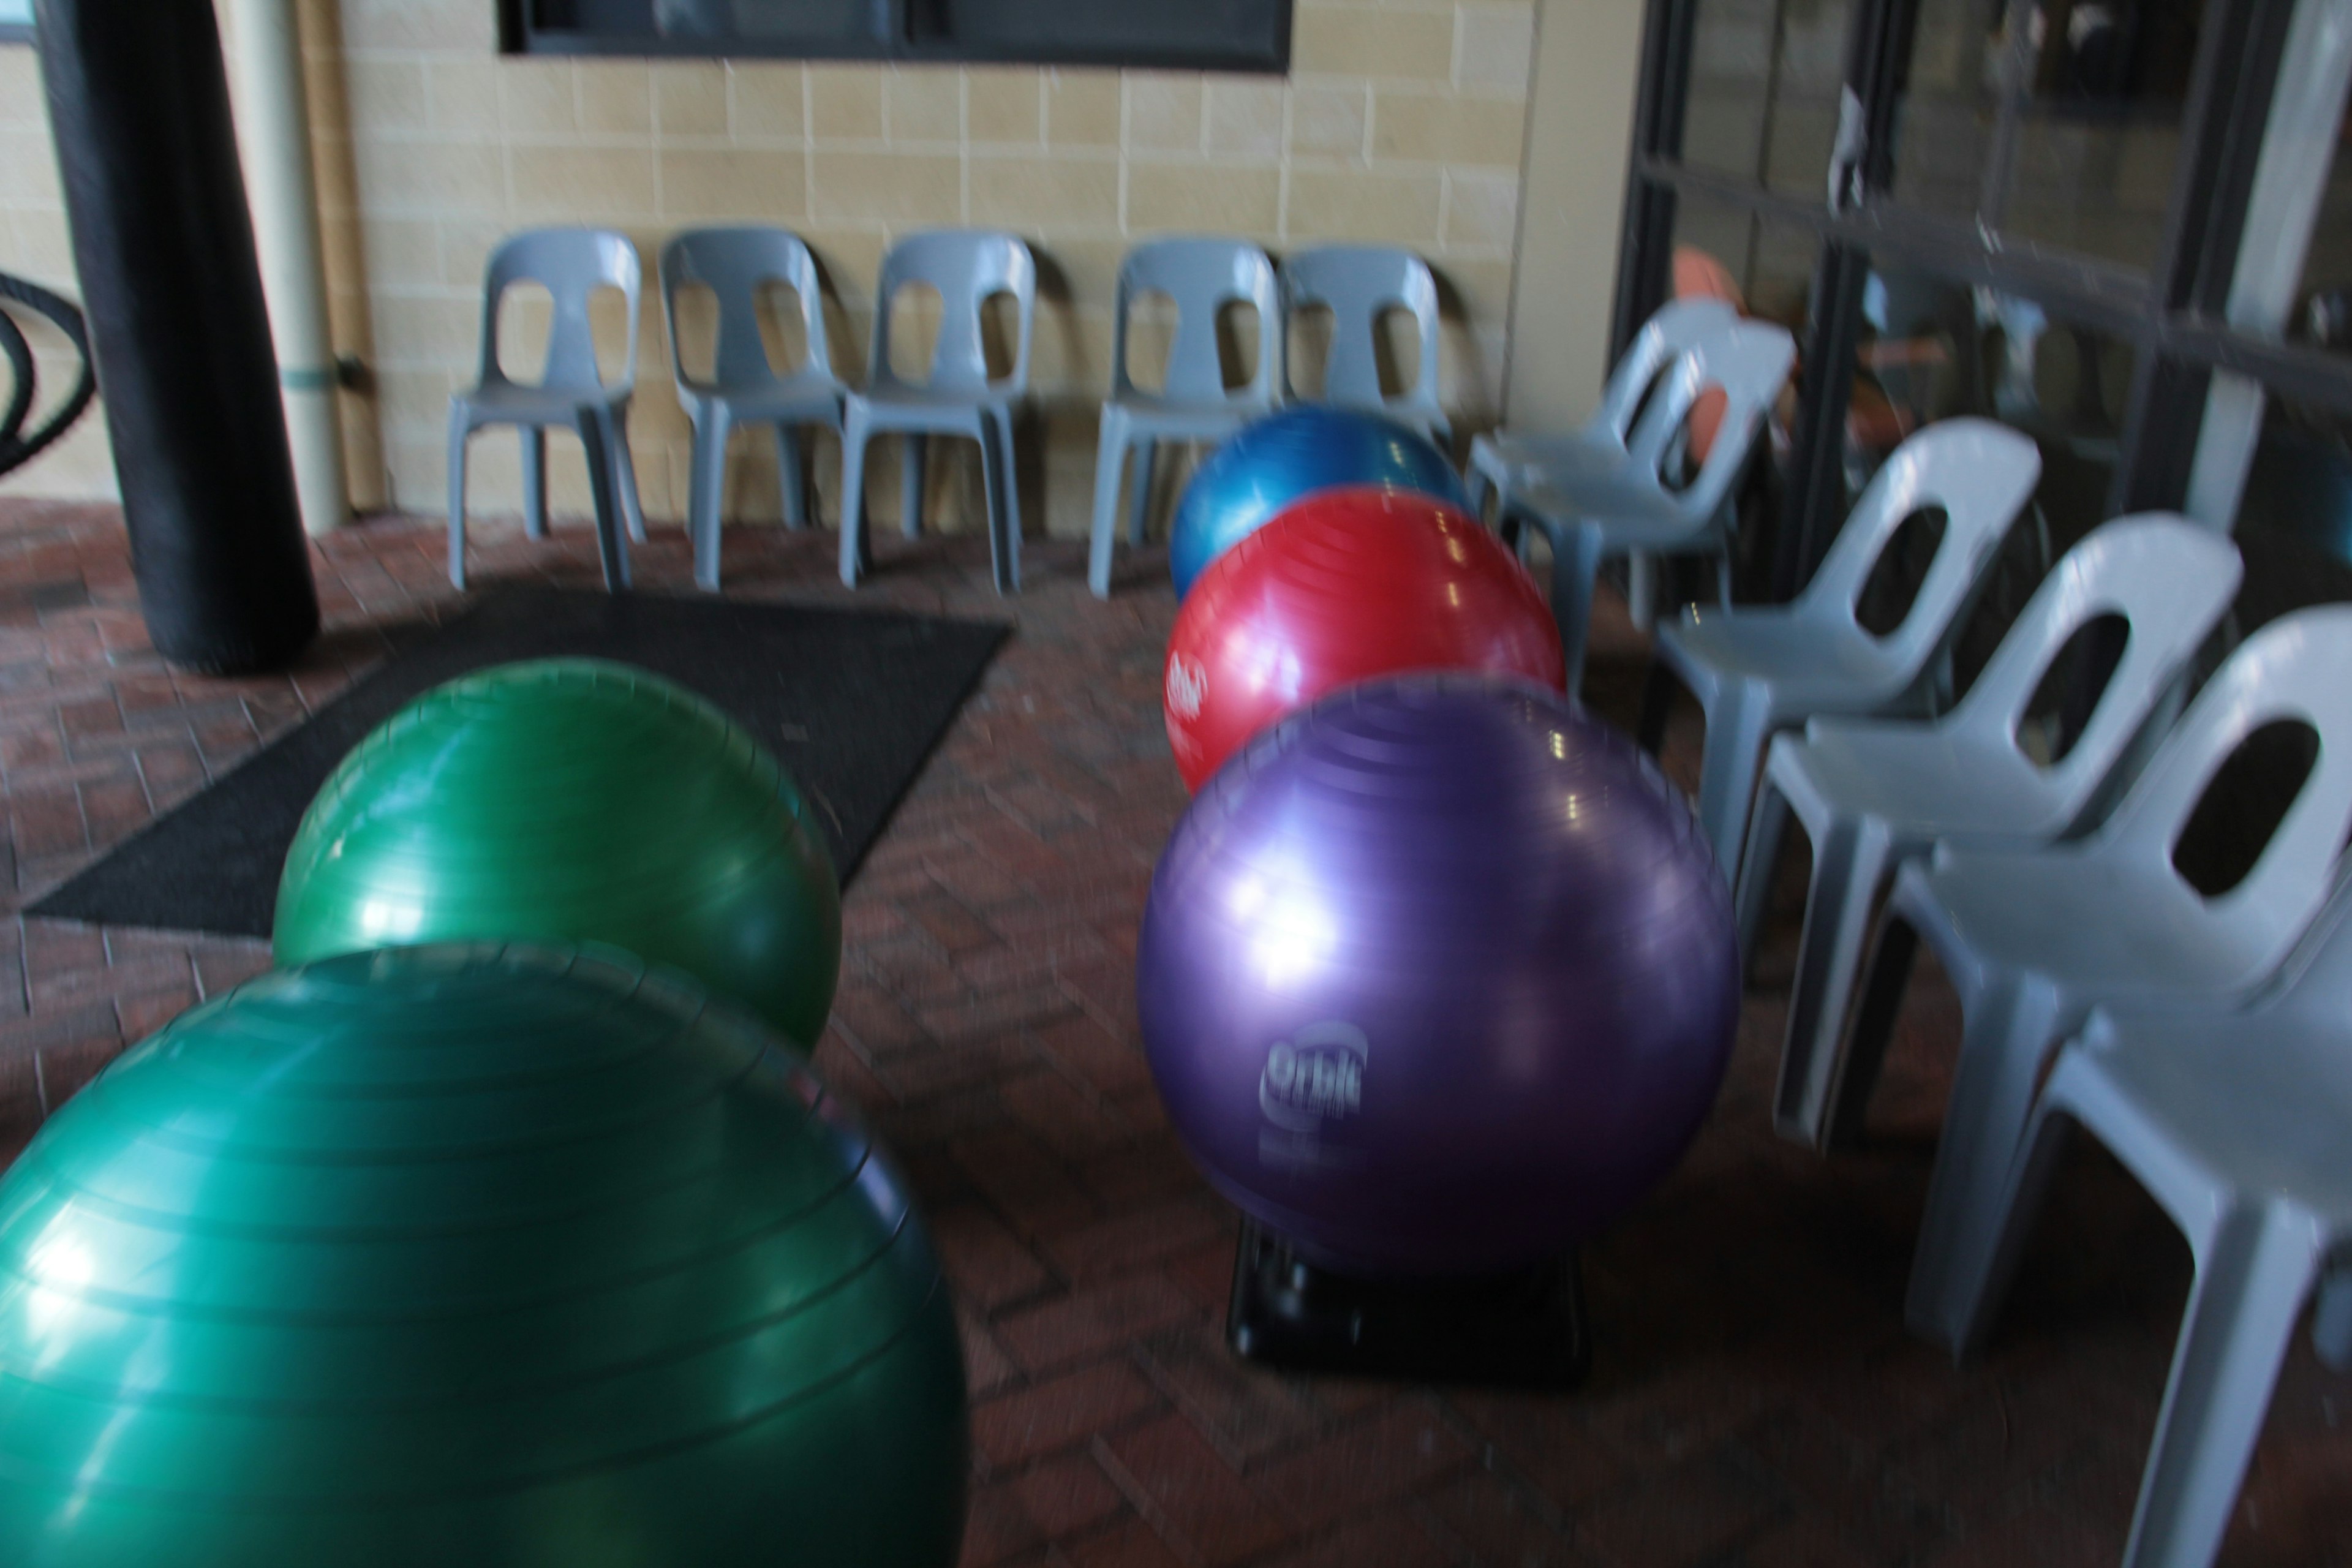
<point>1271,462</point>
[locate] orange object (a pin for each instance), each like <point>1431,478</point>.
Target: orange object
<point>1341,586</point>
<point>1698,276</point>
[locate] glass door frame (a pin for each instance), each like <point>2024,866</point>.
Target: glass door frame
<point>2178,315</point>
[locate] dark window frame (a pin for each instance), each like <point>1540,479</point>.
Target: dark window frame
<point>893,37</point>
<point>2171,315</point>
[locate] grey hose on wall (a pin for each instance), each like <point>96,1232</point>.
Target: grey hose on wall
<point>170,287</point>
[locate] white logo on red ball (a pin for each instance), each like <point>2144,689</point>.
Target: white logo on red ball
<point>1187,684</point>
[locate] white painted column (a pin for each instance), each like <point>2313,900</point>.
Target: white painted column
<point>273,123</point>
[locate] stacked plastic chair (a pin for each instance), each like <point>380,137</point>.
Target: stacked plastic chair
<point>1757,669</point>
<point>571,264</point>
<point>1872,794</point>
<point>744,387</point>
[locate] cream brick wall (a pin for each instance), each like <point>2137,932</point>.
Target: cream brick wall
<point>1400,123</point>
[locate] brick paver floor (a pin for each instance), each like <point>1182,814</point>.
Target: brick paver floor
<point>1754,1400</point>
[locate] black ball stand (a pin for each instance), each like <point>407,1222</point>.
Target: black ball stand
<point>1518,1330</point>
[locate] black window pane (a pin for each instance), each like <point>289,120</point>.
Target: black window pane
<point>1243,27</point>
<point>2295,514</point>
<point>1237,35</point>
<point>2053,120</point>
<point>1765,82</point>
<point>2327,295</point>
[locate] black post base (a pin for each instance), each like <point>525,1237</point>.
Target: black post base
<point>1522,1331</point>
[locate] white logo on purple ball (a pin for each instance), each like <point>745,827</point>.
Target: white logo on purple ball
<point>1315,1078</point>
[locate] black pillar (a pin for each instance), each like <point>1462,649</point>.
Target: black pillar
<point>138,104</point>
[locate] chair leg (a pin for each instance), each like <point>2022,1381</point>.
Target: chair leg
<point>1009,466</point>
<point>2331,1321</point>
<point>706,493</point>
<point>624,473</point>
<point>2251,1283</point>
<point>1738,725</point>
<point>912,449</point>
<point>1886,974</point>
<point>1982,1279</point>
<point>991,484</point>
<point>534,480</point>
<point>1850,859</point>
<point>1110,453</point>
<point>1138,511</point>
<point>2010,1027</point>
<point>1642,590</point>
<point>1657,707</point>
<point>612,534</point>
<point>1477,488</point>
<point>791,477</point>
<point>457,434</point>
<point>1752,889</point>
<point>1513,528</point>
<point>1575,562</point>
<point>854,553</point>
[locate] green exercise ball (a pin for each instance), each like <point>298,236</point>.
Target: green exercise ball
<point>514,1256</point>
<point>574,800</point>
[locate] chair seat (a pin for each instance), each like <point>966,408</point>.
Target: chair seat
<point>1149,414</point>
<point>1630,514</point>
<point>1548,461</point>
<point>1808,673</point>
<point>2122,933</point>
<point>810,397</point>
<point>2264,1099</point>
<point>507,401</point>
<point>1926,780</point>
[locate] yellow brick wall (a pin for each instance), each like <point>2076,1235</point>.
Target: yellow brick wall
<point>1400,123</point>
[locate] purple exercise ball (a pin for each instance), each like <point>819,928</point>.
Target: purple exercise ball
<point>1437,977</point>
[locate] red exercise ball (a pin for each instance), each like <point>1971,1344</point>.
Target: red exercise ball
<point>1341,586</point>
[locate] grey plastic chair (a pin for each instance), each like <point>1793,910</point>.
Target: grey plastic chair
<point>2236,1126</point>
<point>968,268</point>
<point>1200,278</point>
<point>2032,938</point>
<point>745,387</point>
<point>1359,284</point>
<point>572,264</point>
<point>1625,508</point>
<point>1504,461</point>
<point>1874,794</point>
<point>1755,670</point>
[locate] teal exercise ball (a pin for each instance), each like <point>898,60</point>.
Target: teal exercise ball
<point>1284,456</point>
<point>573,800</point>
<point>473,1256</point>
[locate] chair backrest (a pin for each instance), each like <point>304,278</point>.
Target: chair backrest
<point>1678,327</point>
<point>1980,475</point>
<point>571,264</point>
<point>1747,365</point>
<point>1360,284</point>
<point>1200,276</point>
<point>2291,670</point>
<point>968,268</point>
<point>733,264</point>
<point>2169,579</point>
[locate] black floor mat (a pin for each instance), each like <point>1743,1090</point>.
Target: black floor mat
<point>851,700</point>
